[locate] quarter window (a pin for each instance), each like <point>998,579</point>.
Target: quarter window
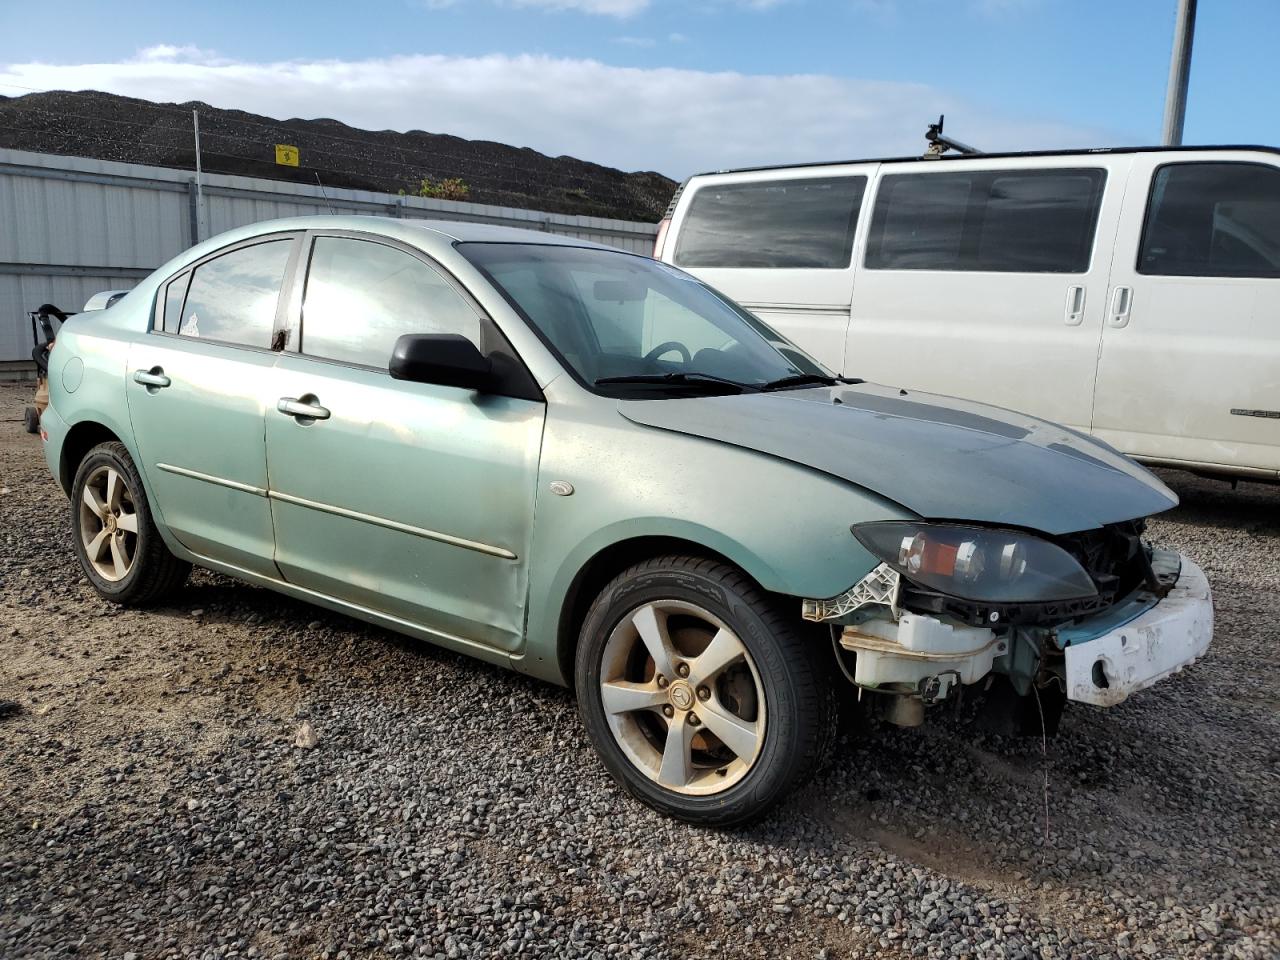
<point>1006,221</point>
<point>175,293</point>
<point>1213,220</point>
<point>805,223</point>
<point>233,297</point>
<point>362,296</point>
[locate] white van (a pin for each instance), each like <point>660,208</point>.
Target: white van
<point>1133,294</point>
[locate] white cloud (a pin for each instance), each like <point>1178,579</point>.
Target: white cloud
<point>635,41</point>
<point>611,8</point>
<point>677,121</point>
<point>172,53</point>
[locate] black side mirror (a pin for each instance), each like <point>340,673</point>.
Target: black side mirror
<point>448,359</point>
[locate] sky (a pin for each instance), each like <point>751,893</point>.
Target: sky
<point>677,87</point>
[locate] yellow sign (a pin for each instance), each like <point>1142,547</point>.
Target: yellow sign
<point>286,155</point>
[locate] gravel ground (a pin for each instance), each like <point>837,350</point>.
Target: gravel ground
<point>154,803</point>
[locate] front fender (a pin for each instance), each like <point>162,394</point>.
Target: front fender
<point>785,525</point>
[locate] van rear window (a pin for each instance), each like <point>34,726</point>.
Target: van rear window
<point>775,224</point>
<point>1005,221</point>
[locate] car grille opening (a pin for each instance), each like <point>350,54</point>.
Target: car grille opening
<point>1114,556</point>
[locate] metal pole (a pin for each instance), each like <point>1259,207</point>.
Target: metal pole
<point>1175,102</point>
<point>195,123</point>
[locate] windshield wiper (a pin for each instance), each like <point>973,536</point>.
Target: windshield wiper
<point>800,380</point>
<point>701,380</point>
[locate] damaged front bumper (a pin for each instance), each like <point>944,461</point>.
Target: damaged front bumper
<point>1099,659</point>
<point>1105,669</point>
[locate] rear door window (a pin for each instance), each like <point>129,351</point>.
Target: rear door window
<point>1004,221</point>
<point>233,298</point>
<point>775,224</point>
<point>1212,220</point>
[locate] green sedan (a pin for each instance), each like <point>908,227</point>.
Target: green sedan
<point>590,467</point>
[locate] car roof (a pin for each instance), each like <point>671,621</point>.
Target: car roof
<point>962,157</point>
<point>447,231</point>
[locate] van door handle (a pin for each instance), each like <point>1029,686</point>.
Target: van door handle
<point>1121,303</point>
<point>153,379</point>
<point>306,409</point>
<point>1074,313</point>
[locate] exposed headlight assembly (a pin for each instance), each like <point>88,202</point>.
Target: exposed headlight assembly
<point>977,563</point>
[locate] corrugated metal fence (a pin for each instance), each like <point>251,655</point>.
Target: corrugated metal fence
<point>71,226</point>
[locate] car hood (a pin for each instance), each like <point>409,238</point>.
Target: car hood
<point>940,457</point>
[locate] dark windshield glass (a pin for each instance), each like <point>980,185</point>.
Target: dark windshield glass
<point>609,315</point>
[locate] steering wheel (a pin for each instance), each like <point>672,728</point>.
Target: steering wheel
<point>666,347</point>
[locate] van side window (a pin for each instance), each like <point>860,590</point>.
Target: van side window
<point>1212,220</point>
<point>361,296</point>
<point>233,297</point>
<point>1004,221</point>
<point>797,223</point>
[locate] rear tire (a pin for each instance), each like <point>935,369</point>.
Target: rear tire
<point>116,540</point>
<point>742,711</point>
<point>31,420</point>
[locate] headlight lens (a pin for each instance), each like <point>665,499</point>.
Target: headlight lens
<point>977,563</point>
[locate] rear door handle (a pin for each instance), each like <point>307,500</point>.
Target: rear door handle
<point>305,409</point>
<point>153,378</point>
<point>1074,313</point>
<point>1121,303</point>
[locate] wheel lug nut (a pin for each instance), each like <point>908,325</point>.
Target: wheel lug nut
<point>693,720</point>
<point>667,711</point>
<point>683,669</point>
<point>662,682</point>
<point>704,693</point>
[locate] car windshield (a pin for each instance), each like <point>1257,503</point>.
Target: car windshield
<point>626,325</point>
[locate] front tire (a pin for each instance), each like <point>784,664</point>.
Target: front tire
<point>31,420</point>
<point>703,699</point>
<point>116,540</point>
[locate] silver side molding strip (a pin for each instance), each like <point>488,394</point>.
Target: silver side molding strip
<point>499,552</point>
<point>209,478</point>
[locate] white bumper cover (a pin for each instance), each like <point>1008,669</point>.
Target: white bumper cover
<point>1171,635</point>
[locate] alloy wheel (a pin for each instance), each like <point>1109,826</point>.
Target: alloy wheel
<point>109,524</point>
<point>683,697</point>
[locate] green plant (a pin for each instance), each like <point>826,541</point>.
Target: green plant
<point>450,188</point>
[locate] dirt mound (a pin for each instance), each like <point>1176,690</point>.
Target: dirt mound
<point>110,127</point>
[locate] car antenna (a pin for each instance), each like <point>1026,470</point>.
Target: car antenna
<point>940,144</point>
<point>323,193</point>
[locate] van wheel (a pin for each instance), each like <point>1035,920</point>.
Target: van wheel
<point>703,699</point>
<point>31,420</point>
<point>116,541</point>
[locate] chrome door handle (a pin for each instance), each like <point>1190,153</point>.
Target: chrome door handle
<point>302,409</point>
<point>151,378</point>
<point>1121,304</point>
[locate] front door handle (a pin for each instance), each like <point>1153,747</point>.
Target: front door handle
<point>1121,304</point>
<point>306,409</point>
<point>153,379</point>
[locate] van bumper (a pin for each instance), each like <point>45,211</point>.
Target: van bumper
<point>1161,641</point>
